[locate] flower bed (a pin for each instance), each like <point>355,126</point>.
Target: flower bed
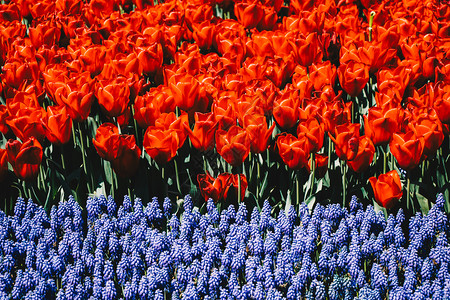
<point>291,102</point>
<point>148,252</point>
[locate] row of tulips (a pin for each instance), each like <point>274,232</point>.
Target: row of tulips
<point>318,92</point>
<point>149,252</point>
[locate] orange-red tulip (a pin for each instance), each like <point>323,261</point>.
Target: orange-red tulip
<point>313,132</point>
<point>407,149</point>
<point>113,96</point>
<point>285,109</point>
<point>161,145</point>
<point>202,137</point>
<point>149,107</point>
<point>211,187</point>
<point>387,189</point>
<point>58,125</point>
<point>380,124</point>
<point>258,131</point>
<point>248,14</point>
<point>126,162</point>
<point>233,145</point>
<point>346,141</point>
<point>294,152</point>
<point>107,141</point>
<point>321,162</point>
<point>25,158</point>
<point>364,156</point>
<point>353,77</point>
<point>426,124</point>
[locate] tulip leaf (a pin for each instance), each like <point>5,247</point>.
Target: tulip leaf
<point>288,203</point>
<point>263,185</point>
<point>423,203</point>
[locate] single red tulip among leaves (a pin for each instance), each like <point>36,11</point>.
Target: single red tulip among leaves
<point>25,158</point>
<point>407,149</point>
<point>120,149</point>
<point>364,156</point>
<point>202,136</point>
<point>387,189</point>
<point>233,145</point>
<point>106,141</point>
<point>294,152</point>
<point>58,125</point>
<point>346,140</point>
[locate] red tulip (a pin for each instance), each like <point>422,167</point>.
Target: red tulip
<point>113,96</point>
<point>321,162</point>
<point>307,50</point>
<point>77,97</point>
<point>202,137</point>
<point>346,141</point>
<point>248,14</point>
<point>3,115</point>
<point>232,187</point>
<point>258,131</point>
<point>364,156</point>
<point>126,162</point>
<point>186,93</point>
<point>151,58</point>
<point>222,187</point>
<point>380,124</point>
<point>211,187</point>
<point>25,158</point>
<point>336,113</point>
<point>149,107</point>
<point>171,122</point>
<point>353,77</point>
<point>294,152</point>
<point>58,125</point>
<point>285,109</point>
<point>161,145</point>
<point>407,149</point>
<point>233,145</point>
<point>387,189</point>
<point>426,124</point>
<point>107,141</point>
<point>313,132</point>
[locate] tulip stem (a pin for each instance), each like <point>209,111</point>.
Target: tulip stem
<point>176,175</point>
<point>407,190</point>
<point>111,192</point>
<point>297,188</point>
<point>353,110</point>
<point>83,157</point>
<point>372,15</point>
<point>258,177</point>
<point>384,161</point>
<point>239,188</point>
<point>344,182</point>
<point>313,171</point>
<point>134,124</point>
<point>329,152</point>
<point>63,164</point>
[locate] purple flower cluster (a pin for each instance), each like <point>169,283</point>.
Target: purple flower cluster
<point>148,252</point>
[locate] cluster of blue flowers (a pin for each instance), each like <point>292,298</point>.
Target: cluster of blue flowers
<point>148,252</point>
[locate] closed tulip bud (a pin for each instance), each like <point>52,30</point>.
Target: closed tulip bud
<point>387,189</point>
<point>25,158</point>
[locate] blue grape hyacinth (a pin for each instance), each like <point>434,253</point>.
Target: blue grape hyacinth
<point>145,251</point>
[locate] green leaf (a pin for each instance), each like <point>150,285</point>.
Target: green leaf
<point>423,203</point>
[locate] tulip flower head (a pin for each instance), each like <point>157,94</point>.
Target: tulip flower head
<point>387,189</point>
